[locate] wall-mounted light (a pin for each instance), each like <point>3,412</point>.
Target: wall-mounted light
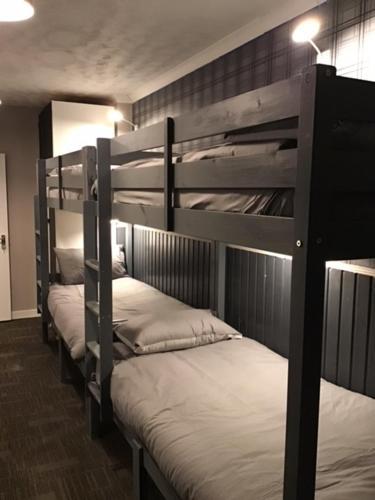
<point>15,10</point>
<point>306,31</point>
<point>117,116</point>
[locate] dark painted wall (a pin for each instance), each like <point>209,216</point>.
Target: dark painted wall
<point>347,33</point>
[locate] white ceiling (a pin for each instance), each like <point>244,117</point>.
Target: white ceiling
<point>123,49</point>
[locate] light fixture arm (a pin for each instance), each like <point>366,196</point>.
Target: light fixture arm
<point>313,44</point>
<point>130,123</point>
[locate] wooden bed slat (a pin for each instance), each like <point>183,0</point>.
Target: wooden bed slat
<point>144,138</point>
<point>255,231</point>
<point>273,103</point>
<point>260,171</point>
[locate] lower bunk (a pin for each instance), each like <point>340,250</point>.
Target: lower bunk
<point>211,423</point>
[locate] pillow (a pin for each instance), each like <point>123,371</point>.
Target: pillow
<point>72,268</point>
<point>71,265</point>
<point>183,329</point>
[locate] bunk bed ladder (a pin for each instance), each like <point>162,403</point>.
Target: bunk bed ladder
<point>98,284</point>
<point>41,247</point>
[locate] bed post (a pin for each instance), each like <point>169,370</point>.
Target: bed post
<point>168,174</point>
<point>98,284</point>
<point>308,277</point>
<point>91,282</point>
<point>52,244</point>
<point>105,279</point>
<point>41,235</point>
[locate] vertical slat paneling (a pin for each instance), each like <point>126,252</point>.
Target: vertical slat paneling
<point>370,372</point>
<point>176,265</point>
<point>333,302</point>
<point>346,329</point>
<point>258,305</point>
<point>360,334</point>
<point>258,297</point>
<point>258,300</point>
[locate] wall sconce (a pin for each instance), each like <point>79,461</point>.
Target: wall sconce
<point>305,32</point>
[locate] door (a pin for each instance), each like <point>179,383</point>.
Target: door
<point>5,305</point>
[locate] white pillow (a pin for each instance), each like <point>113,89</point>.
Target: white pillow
<point>150,333</point>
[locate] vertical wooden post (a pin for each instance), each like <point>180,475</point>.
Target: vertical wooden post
<point>308,273</point>
<point>43,283</point>
<point>105,278</point>
<point>168,174</point>
<point>91,280</point>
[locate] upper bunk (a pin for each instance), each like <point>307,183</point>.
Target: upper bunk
<point>327,122</point>
<point>60,175</point>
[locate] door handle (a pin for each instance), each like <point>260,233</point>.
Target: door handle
<point>3,242</point>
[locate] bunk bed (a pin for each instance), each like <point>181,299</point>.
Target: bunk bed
<point>329,178</point>
<point>60,304</point>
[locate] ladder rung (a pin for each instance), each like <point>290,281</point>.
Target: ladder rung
<point>94,348</point>
<point>94,390</point>
<point>92,264</point>
<point>93,306</point>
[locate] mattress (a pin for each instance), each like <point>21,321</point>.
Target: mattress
<point>130,297</point>
<point>213,418</point>
<point>251,201</point>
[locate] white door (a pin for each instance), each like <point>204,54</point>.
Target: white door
<point>5,305</point>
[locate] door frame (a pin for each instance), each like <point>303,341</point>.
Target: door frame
<point>5,298</point>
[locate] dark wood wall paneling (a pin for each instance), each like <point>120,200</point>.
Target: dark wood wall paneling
<point>258,297</point>
<point>349,336</point>
<point>178,266</point>
<point>258,305</point>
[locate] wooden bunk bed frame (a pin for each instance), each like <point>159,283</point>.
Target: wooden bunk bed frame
<point>326,179</point>
<point>45,239</point>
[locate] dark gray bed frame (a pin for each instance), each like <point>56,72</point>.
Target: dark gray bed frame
<point>326,180</point>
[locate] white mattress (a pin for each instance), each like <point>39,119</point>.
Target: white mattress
<point>130,297</point>
<point>213,418</point>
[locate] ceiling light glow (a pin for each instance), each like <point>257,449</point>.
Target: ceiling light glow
<point>15,10</point>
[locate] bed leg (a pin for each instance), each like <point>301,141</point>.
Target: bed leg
<point>65,375</point>
<point>93,417</point>
<point>139,483</point>
<point>45,332</point>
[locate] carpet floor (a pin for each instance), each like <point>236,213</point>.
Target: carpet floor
<point>45,451</point>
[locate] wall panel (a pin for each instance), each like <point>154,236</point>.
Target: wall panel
<point>258,305</point>
<point>178,266</point>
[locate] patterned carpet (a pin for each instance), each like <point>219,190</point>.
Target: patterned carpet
<point>45,452</point>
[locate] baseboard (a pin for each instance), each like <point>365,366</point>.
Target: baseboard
<point>26,313</point>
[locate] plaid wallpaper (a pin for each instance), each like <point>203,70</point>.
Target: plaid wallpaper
<point>347,39</point>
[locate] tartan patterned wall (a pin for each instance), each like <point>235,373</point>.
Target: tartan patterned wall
<point>347,38</point>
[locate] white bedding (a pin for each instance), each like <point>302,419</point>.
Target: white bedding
<point>130,298</point>
<point>213,418</point>
<point>250,201</point>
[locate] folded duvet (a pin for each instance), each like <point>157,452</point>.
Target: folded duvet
<point>130,298</point>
